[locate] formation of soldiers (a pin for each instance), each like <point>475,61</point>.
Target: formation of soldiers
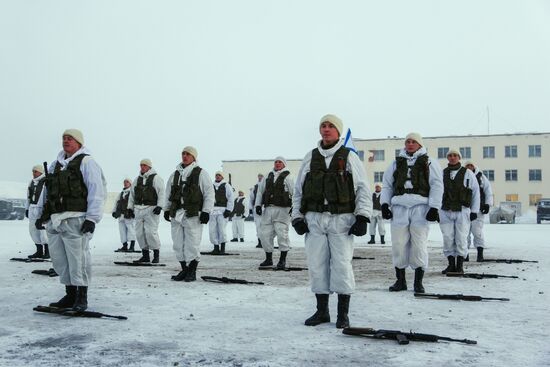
<point>329,202</point>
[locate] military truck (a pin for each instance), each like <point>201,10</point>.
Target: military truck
<point>543,210</point>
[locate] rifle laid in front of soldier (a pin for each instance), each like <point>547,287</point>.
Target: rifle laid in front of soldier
<point>207,278</point>
<point>362,258</point>
<point>479,275</point>
<point>70,312</point>
<point>458,297</point>
<point>50,272</point>
<point>402,337</point>
<point>508,261</point>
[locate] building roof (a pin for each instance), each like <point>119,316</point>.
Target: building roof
<point>455,136</point>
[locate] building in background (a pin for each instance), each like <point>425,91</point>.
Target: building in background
<point>518,165</point>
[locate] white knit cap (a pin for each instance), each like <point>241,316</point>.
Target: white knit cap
<point>127,179</point>
<point>219,173</point>
<point>147,162</point>
<point>469,162</point>
<point>281,158</point>
<point>39,168</point>
<point>191,150</point>
<point>335,120</point>
<point>76,134</point>
<point>454,151</point>
<point>416,137</point>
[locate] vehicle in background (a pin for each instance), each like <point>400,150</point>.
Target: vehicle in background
<point>543,210</point>
<point>6,209</point>
<point>502,214</point>
<point>18,208</point>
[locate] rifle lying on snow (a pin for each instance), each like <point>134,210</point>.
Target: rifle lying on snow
<point>479,276</point>
<point>362,258</point>
<point>402,337</point>
<point>458,297</point>
<point>70,312</point>
<point>508,261</point>
<point>207,278</point>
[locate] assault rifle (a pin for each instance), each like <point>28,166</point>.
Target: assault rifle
<point>402,337</point>
<point>479,276</point>
<point>69,312</point>
<point>508,261</point>
<point>207,278</point>
<point>362,258</point>
<point>458,297</point>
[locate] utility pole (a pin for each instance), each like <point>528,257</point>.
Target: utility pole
<point>488,121</point>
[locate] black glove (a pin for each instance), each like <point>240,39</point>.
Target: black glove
<point>300,226</point>
<point>226,213</point>
<point>27,213</point>
<point>250,211</point>
<point>432,215</point>
<point>38,224</point>
<point>243,216</point>
<point>88,226</point>
<point>259,210</point>
<point>167,216</point>
<point>115,215</point>
<point>484,209</point>
<point>157,210</point>
<point>204,217</point>
<point>359,228</point>
<point>386,212</point>
<point>473,216</point>
<point>129,214</point>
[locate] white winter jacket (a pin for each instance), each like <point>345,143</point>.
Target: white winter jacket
<point>35,210</point>
<point>486,186</point>
<point>229,194</point>
<point>289,185</point>
<point>470,181</point>
<point>158,185</point>
<point>205,185</point>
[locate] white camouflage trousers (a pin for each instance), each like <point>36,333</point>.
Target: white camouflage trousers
<point>329,251</point>
<point>186,236</point>
<point>476,231</point>
<point>455,227</point>
<point>216,229</point>
<point>275,222</point>
<point>238,227</point>
<point>147,225</point>
<point>70,252</point>
<point>376,221</point>
<point>409,236</point>
<point>258,223</point>
<point>38,236</point>
<point>127,230</point>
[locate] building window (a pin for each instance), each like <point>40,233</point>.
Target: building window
<point>442,152</point>
<point>511,175</point>
<point>466,152</point>
<point>376,155</point>
<point>535,151</point>
<point>490,174</point>
<point>397,151</point>
<point>511,151</point>
<point>534,199</point>
<point>488,152</point>
<point>512,197</point>
<point>361,154</point>
<point>378,176</point>
<point>535,175</point>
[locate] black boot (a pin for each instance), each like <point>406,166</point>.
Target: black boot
<point>451,268</point>
<point>382,240</point>
<point>191,275</point>
<point>467,258</point>
<point>234,240</point>
<point>38,254</point>
<point>242,239</point>
<point>459,264</point>
<point>124,247</point>
<point>144,257</point>
<point>418,275</point>
<point>81,302</point>
<point>222,248</point>
<point>46,252</point>
<point>401,283</point>
<point>259,245</point>
<point>216,250</point>
<point>342,319</point>
<point>156,254</point>
<point>281,265</point>
<point>132,245</point>
<point>321,315</point>
<point>182,273</point>
<point>371,240</point>
<point>68,300</point>
<point>268,262</point>
<point>479,254</point>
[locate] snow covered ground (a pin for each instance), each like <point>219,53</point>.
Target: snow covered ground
<point>187,324</point>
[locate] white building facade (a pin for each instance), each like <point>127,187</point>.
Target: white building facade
<point>518,165</point>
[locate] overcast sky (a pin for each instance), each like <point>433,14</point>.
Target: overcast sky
<point>250,79</point>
